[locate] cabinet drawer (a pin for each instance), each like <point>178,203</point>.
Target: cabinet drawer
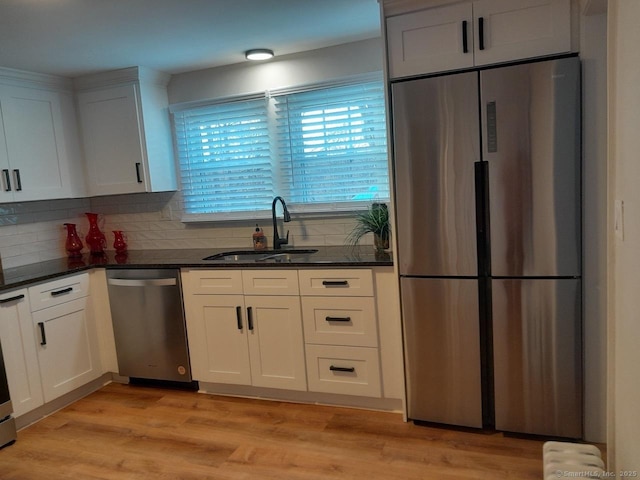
<point>213,282</point>
<point>343,370</point>
<point>340,321</point>
<point>270,282</point>
<point>58,291</point>
<point>337,283</point>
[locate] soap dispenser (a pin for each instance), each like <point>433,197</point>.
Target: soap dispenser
<point>259,239</point>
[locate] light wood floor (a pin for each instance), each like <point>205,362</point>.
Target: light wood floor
<point>131,432</point>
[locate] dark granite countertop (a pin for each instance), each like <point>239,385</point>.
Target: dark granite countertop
<point>326,257</point>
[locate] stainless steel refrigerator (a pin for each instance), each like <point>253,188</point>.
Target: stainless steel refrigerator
<point>488,211</point>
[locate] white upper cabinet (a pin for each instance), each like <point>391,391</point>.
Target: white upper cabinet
<point>126,132</point>
<point>483,32</point>
<point>39,149</point>
<point>438,39</point>
<point>520,29</point>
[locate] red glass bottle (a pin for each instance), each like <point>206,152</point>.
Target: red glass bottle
<point>119,241</point>
<point>73,244</point>
<point>95,238</point>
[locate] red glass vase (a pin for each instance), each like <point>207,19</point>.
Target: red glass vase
<point>73,244</point>
<point>119,241</point>
<point>95,238</point>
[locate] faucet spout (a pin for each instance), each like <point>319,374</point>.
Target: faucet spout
<point>277,241</point>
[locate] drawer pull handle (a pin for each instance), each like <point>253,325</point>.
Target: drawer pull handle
<point>250,317</point>
<point>62,292</point>
<point>337,319</point>
<point>42,334</point>
<point>333,368</point>
<point>239,317</point>
<point>11,299</point>
<point>335,283</point>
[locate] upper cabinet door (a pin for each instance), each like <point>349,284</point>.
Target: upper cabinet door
<point>113,140</point>
<point>433,40</point>
<point>37,159</point>
<point>509,30</point>
<point>6,193</point>
<point>483,32</point>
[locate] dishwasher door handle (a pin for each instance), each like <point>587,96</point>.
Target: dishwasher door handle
<point>150,282</point>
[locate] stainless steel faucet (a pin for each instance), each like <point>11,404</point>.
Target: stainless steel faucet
<point>277,241</point>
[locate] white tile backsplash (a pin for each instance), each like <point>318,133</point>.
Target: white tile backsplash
<point>32,232</point>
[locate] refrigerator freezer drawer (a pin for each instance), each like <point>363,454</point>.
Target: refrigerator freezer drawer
<point>442,350</point>
<point>537,337</point>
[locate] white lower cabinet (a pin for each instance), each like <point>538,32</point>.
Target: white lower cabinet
<point>344,370</point>
<point>218,346</point>
<point>276,345</point>
<point>340,328</point>
<point>19,350</point>
<point>301,330</point>
<point>254,339</point>
<point>66,338</point>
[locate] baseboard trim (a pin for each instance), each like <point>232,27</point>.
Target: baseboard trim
<point>316,398</point>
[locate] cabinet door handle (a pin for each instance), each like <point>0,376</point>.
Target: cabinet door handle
<point>62,292</point>
<point>138,176</point>
<point>16,174</point>
<point>335,283</point>
<point>239,317</point>
<point>250,317</point>
<point>12,299</point>
<point>465,46</point>
<point>7,179</point>
<point>333,368</point>
<point>42,334</point>
<point>337,319</point>
<point>481,33</point>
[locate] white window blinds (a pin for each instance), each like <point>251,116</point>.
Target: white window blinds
<point>332,144</point>
<point>225,158</point>
<point>322,150</point>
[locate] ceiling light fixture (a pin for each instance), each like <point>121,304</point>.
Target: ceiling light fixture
<point>258,54</point>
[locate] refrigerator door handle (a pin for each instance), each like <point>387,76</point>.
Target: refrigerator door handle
<point>481,171</point>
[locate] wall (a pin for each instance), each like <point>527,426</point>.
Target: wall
<point>624,248</point>
<point>32,232</point>
<point>290,70</point>
<point>593,44</point>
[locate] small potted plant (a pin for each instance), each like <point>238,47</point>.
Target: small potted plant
<point>374,220</point>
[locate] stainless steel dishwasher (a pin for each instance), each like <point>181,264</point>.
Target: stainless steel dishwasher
<point>148,323</point>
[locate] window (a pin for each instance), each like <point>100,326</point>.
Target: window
<point>323,150</point>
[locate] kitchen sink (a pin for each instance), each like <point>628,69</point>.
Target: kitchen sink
<point>277,256</point>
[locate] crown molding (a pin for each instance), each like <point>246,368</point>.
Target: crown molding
<point>40,81</point>
<point>398,7</point>
<point>122,76</point>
